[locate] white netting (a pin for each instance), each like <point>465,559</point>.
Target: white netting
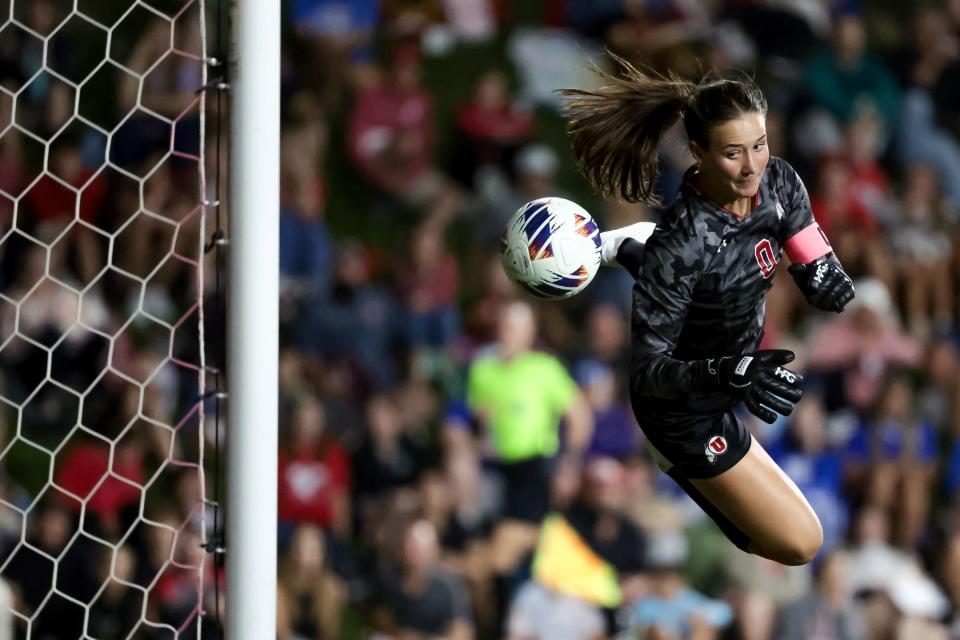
<point>101,244</point>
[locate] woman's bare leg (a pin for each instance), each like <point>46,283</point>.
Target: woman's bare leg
<point>758,498</point>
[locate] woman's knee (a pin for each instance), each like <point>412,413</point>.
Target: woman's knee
<point>798,545</point>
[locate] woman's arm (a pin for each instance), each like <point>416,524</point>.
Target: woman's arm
<point>816,269</point>
<point>672,264</point>
<point>673,261</point>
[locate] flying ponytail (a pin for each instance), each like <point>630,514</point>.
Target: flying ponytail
<point>616,129</point>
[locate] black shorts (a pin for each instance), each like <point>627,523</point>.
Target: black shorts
<point>698,446</point>
<point>526,489</point>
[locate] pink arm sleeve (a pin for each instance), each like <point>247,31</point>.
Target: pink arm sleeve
<point>807,245</point>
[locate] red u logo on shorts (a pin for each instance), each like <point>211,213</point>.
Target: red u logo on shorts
<point>717,444</point>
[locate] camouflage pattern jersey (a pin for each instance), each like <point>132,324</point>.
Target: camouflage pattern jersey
<point>700,293</point>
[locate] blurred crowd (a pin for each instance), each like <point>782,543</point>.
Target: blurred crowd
<point>458,460</point>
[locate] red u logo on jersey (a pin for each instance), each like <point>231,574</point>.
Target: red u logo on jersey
<point>765,257</point>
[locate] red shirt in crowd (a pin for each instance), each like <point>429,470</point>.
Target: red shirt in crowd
<point>391,135</point>
<point>501,124</point>
<point>50,200</point>
<point>86,464</point>
<point>310,481</point>
<point>850,213</point>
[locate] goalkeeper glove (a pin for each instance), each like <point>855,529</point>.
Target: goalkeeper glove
<point>761,382</point>
<point>824,284</point>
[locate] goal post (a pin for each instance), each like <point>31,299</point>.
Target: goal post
<point>253,320</point>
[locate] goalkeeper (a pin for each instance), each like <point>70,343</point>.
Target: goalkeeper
<point>701,277</point>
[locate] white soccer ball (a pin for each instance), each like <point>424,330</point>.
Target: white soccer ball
<point>551,248</point>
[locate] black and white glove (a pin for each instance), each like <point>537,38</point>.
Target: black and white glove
<point>761,381</point>
<point>824,284</point>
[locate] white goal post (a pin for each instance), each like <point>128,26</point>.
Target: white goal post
<point>253,320</point>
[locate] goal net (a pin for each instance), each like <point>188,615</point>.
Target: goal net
<point>101,349</point>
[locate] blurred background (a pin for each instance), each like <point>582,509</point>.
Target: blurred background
<point>412,130</point>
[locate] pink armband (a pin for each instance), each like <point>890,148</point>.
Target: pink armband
<point>808,245</point>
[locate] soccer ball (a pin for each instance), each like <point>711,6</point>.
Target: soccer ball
<point>551,248</point>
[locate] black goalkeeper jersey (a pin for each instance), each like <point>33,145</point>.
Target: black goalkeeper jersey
<point>700,292</point>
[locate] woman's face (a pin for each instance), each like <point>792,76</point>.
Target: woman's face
<point>308,422</point>
<point>735,158</point>
<point>384,420</point>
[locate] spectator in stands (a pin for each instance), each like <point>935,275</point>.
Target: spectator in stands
<point>166,85</point>
<point>86,463</point>
<point>673,609</point>
<point>33,575</point>
<point>930,62</point>
<point>464,548</point>
<point>827,612</point>
<point>869,179</point>
<point>331,50</point>
<point>938,401</point>
<point>615,431</point>
<point>410,19</point>
<point>923,250</point>
<point>361,322</point>
<point>536,172</point>
<point>608,337</point>
<point>386,460</point>
<point>391,137</point>
<point>416,597</point>
<point>342,29</point>
<point>854,232</point>
<point>846,79</point>
<point>599,517</point>
<point>659,34</point>
<point>492,129</point>
<point>30,573</point>
<point>117,611</point>
<point>314,473</point>
<point>788,32</point>
<point>856,349</point>
<point>929,69</point>
<point>49,313</point>
<point>46,101</point>
<point>462,459</point>
<point>175,592</point>
<point>428,278</point>
<point>892,459</point>
<point>649,505</point>
<point>497,290</point>
<point>897,598</point>
<point>55,205</point>
<point>538,613</point>
<point>756,588</point>
<point>310,596</point>
<point>586,564</point>
<point>306,249</point>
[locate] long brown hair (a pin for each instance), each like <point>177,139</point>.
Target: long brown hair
<point>616,129</point>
